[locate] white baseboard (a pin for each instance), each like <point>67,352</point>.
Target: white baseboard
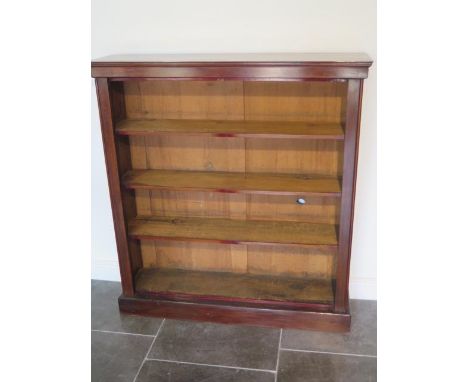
<point>359,287</point>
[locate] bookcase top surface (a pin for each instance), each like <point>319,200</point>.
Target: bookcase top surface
<point>248,66</point>
<point>352,59</point>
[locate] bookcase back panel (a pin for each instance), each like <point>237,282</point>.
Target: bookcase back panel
<point>281,156</point>
<point>222,100</point>
<point>253,259</point>
<point>297,262</point>
<point>238,206</point>
<point>236,100</point>
<point>294,156</point>
<point>164,153</point>
<point>317,209</point>
<point>195,153</point>
<point>197,204</point>
<point>295,101</point>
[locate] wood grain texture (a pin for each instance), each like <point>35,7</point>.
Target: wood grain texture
<point>239,103</point>
<point>196,153</point>
<point>197,256</point>
<point>227,182</point>
<point>199,100</point>
<point>307,102</point>
<point>169,281</point>
<point>198,204</point>
<point>112,166</point>
<point>290,156</point>
<point>251,72</point>
<point>255,67</point>
<point>316,262</point>
<point>124,162</point>
<point>142,197</point>
<point>288,317</point>
<point>244,207</point>
<point>300,262</point>
<point>231,129</point>
<point>233,231</point>
<point>259,107</point>
<point>351,148</point>
<point>318,209</point>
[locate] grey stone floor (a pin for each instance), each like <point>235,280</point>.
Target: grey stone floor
<point>140,349</point>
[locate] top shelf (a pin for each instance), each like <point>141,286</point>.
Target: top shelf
<point>231,129</point>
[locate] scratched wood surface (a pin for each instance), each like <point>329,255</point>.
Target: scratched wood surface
<point>229,129</point>
<point>233,231</point>
<point>228,182</point>
<point>234,285</point>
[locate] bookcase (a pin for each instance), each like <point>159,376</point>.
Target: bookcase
<point>232,181</point>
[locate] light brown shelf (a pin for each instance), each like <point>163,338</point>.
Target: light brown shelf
<point>177,283</point>
<point>229,231</point>
<point>228,129</point>
<point>229,182</point>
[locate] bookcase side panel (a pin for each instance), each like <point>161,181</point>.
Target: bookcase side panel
<point>351,145</point>
<point>112,166</point>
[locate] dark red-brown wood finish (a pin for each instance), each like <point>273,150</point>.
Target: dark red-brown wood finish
<point>116,197</point>
<point>232,314</point>
<point>348,188</point>
<point>352,68</point>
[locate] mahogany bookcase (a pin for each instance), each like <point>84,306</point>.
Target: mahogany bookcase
<point>232,182</point>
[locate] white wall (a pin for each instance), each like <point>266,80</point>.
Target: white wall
<point>184,26</point>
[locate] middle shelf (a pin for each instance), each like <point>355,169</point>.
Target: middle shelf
<point>232,128</point>
<point>230,182</point>
<point>229,231</point>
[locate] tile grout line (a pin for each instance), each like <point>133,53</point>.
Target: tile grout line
<point>278,355</point>
<point>147,353</point>
<point>210,365</point>
<point>130,334</point>
<point>328,352</point>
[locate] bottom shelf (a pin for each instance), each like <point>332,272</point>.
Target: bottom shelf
<point>181,284</point>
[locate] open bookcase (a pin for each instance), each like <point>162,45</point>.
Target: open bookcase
<point>232,184</point>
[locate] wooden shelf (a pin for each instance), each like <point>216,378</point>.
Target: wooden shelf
<point>229,231</point>
<point>229,129</point>
<point>229,182</point>
<point>174,283</point>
